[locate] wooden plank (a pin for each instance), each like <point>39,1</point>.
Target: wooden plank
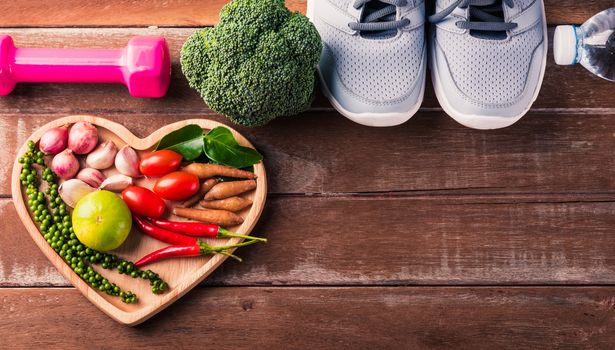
<point>564,88</point>
<point>325,153</point>
<point>392,241</point>
<point>324,318</point>
<point>183,13</point>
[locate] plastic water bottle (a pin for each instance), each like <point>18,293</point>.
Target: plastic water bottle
<point>592,44</point>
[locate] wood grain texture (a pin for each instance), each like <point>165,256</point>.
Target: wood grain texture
<point>569,88</point>
<point>184,13</point>
<point>180,274</point>
<point>543,153</point>
<point>324,318</point>
<point>393,241</point>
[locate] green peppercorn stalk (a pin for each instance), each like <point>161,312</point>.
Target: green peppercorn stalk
<point>53,217</point>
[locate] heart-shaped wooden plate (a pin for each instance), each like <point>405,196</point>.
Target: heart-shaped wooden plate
<point>181,274</point>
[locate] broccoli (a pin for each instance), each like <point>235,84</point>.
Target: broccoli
<point>257,64</point>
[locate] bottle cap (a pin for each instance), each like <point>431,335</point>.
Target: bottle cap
<point>565,45</point>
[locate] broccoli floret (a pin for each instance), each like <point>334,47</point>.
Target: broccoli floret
<point>257,64</point>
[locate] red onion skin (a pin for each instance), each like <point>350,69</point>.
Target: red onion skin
<point>65,164</point>
<point>54,140</point>
<point>82,137</point>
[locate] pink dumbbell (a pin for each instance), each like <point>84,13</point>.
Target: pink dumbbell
<point>144,66</point>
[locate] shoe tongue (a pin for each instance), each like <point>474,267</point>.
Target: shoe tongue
<point>496,9</point>
<point>372,7</point>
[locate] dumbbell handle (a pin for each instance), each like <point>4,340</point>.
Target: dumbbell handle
<point>69,65</point>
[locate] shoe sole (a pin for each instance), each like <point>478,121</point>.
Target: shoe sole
<point>371,119</point>
<point>477,121</point>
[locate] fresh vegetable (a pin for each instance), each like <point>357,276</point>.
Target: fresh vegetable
<point>53,218</point>
<point>206,171</point>
<point>230,189</point>
<point>102,156</point>
<point>101,220</point>
<point>91,176</point>
<point>82,137</point>
<point>233,204</point>
<point>177,185</point>
<point>71,191</point>
<point>116,183</point>
<point>65,164</point>
<point>219,145</point>
<point>160,163</point>
<point>143,201</point>
<point>205,186</point>
<point>187,141</point>
<point>199,229</point>
<point>222,148</point>
<point>257,64</point>
<point>162,234</point>
<point>217,217</point>
<point>54,140</point>
<point>198,249</point>
<point>127,162</point>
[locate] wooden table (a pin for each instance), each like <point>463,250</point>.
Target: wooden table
<point>426,235</point>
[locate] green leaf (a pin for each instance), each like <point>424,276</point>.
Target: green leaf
<point>221,147</point>
<point>187,141</point>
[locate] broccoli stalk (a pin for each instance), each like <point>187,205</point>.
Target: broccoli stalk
<point>257,64</point>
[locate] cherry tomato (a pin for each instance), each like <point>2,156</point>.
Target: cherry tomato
<point>177,185</point>
<point>144,202</point>
<point>160,163</point>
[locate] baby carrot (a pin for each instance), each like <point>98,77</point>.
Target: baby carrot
<point>204,171</point>
<point>233,204</point>
<point>230,189</point>
<point>219,217</point>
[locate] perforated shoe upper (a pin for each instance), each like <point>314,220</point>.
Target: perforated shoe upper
<point>374,70</point>
<point>489,72</point>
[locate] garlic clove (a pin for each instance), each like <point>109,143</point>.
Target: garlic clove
<point>127,162</point>
<point>91,176</point>
<point>82,137</point>
<point>65,164</point>
<point>71,191</point>
<point>116,183</point>
<point>54,140</point>
<point>102,157</point>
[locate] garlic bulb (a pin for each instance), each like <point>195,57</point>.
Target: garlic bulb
<point>82,137</point>
<point>54,140</point>
<point>65,164</point>
<point>91,177</point>
<point>71,191</point>
<point>102,157</point>
<point>127,162</point>
<point>116,183</point>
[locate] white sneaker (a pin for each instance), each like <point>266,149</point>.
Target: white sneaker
<point>373,64</point>
<point>488,59</point>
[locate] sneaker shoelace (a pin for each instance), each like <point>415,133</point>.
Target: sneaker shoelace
<point>378,16</point>
<point>485,15</point>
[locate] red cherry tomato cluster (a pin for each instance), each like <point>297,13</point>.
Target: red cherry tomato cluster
<point>172,185</point>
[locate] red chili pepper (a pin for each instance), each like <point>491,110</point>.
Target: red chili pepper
<point>162,234</point>
<point>199,229</point>
<point>197,249</point>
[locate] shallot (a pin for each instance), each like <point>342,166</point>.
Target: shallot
<point>82,137</point>
<point>65,164</point>
<point>54,140</point>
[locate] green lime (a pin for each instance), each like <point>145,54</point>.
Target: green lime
<point>102,220</point>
